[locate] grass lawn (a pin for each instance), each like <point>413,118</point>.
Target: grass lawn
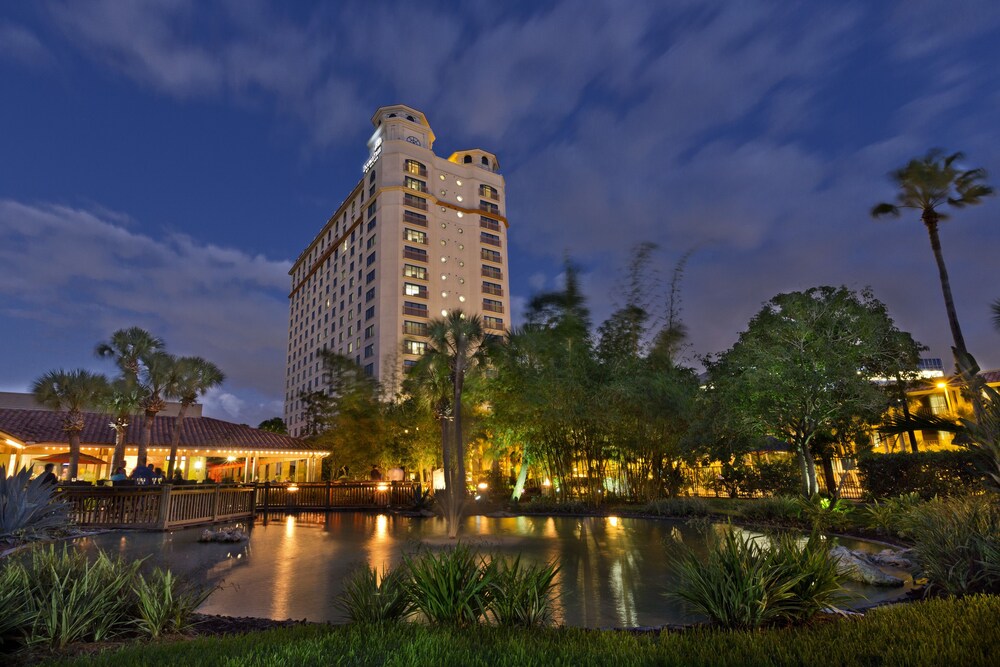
<point>963,632</point>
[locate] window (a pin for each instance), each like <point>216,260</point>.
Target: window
<point>411,271</point>
<point>489,223</point>
<point>371,179</point>
<point>369,350</point>
<point>418,254</point>
<point>369,295</point>
<point>371,209</point>
<point>489,193</point>
<point>489,207</point>
<point>493,305</point>
<point>369,370</point>
<point>371,241</point>
<point>370,277</point>
<point>493,323</point>
<point>490,255</point>
<point>492,288</point>
<point>414,184</point>
<point>408,364</point>
<point>415,328</point>
<point>418,219</point>
<point>492,272</point>
<point>413,236</point>
<point>467,159</point>
<point>414,347</point>
<point>369,331</point>
<point>414,201</point>
<point>489,239</point>
<point>411,289</point>
<point>415,308</point>
<point>415,168</point>
<point>371,259</point>
<point>370,313</point>
<point>371,224</point>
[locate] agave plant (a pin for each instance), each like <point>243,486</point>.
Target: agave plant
<point>371,597</point>
<point>164,603</point>
<point>453,588</point>
<point>522,594</point>
<point>29,508</point>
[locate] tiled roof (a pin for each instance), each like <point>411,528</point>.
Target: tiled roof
<point>991,377</point>
<point>43,426</point>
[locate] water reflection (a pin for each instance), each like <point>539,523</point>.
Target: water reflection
<point>614,570</point>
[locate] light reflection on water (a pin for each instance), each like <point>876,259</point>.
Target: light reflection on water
<point>614,571</point>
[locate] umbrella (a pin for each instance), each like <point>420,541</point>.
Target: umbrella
<point>63,457</point>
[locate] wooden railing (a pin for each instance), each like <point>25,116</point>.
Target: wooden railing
<point>160,507</point>
<point>336,495</point>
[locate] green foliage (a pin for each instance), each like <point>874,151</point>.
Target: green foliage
<point>777,508</point>
<point>454,587</point>
<point>824,514</point>
<point>746,583</point>
<point>164,603</point>
<point>14,612</point>
<point>29,508</point>
<point>274,425</point>
<point>777,478</point>
<point>957,543</point>
<point>890,516</point>
<point>371,598</point>
<point>550,505</point>
<point>928,474</point>
<point>679,507</point>
<point>522,594</point>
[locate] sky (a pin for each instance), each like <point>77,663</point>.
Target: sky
<point>163,162</point>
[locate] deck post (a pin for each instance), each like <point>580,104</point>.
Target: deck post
<point>163,517</point>
<point>329,494</point>
<point>215,504</point>
<point>267,493</point>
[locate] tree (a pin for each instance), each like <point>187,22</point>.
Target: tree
<point>157,378</point>
<point>121,404</point>
<point>72,392</point>
<point>805,365</point>
<point>456,348</point>
<point>996,314</point>
<point>273,425</point>
<point>128,347</point>
<point>928,184</point>
<point>192,377</point>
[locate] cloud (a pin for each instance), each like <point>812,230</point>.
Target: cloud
<point>22,45</point>
<point>71,270</point>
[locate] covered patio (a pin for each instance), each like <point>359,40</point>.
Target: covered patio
<point>209,449</point>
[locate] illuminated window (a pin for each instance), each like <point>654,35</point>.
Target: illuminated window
<point>417,347</point>
<point>415,168</point>
<point>414,184</point>
<point>411,271</point>
<point>411,289</point>
<point>414,236</point>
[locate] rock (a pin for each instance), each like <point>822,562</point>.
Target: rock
<point>223,535</point>
<point>854,567</point>
<point>893,558</point>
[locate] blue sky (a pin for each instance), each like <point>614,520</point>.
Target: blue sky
<point>162,162</point>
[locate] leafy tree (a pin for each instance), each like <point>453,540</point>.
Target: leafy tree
<point>805,365</point>
<point>927,185</point>
<point>158,378</point>
<point>71,392</point>
<point>192,377</point>
<point>273,425</point>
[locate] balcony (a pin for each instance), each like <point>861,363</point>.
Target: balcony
<point>411,218</point>
<point>492,272</point>
<point>415,328</point>
<point>489,208</point>
<point>418,294</point>
<point>414,253</point>
<point>489,239</point>
<point>416,169</point>
<point>490,255</point>
<point>417,312</point>
<point>495,290</point>
<point>415,202</point>
<point>489,223</point>
<point>492,307</point>
<point>489,193</point>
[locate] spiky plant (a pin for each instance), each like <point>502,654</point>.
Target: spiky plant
<point>523,594</point>
<point>165,603</point>
<point>29,508</point>
<point>372,598</point>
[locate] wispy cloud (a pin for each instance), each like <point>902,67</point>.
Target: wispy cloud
<point>20,44</point>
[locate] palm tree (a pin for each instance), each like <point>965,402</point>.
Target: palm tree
<point>127,347</point>
<point>996,314</point>
<point>927,184</point>
<point>72,392</point>
<point>121,403</point>
<point>456,346</point>
<point>193,376</point>
<point>157,377</point>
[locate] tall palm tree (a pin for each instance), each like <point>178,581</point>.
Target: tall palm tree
<point>121,404</point>
<point>928,184</point>
<point>996,314</point>
<point>127,347</point>
<point>72,392</point>
<point>193,376</point>
<point>430,383</point>
<point>456,344</point>
<point>158,378</point>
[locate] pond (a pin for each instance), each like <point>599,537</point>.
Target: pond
<point>614,571</point>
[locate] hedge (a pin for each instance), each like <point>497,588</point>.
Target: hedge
<point>945,473</point>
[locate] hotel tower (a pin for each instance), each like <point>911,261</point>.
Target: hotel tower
<point>417,236</point>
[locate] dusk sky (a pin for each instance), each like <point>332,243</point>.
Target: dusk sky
<point>162,163</point>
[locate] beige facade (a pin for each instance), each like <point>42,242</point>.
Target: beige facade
<point>417,237</point>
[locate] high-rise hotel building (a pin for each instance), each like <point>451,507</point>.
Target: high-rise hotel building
<point>417,237</point>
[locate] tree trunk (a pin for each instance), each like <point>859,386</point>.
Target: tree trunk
<point>459,441</point>
<point>808,468</point>
<point>930,220</point>
<point>74,455</point>
<point>175,439</point>
<point>118,460</point>
<point>147,435</point>
<point>831,479</point>
<point>906,413</point>
<point>522,477</point>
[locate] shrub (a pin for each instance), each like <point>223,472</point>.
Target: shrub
<point>678,507</point>
<point>29,508</point>
<point>928,474</point>
<point>778,478</point>
<point>548,505</point>
<point>164,603</point>
<point>522,594</point>
<point>452,588</point>
<point>373,598</point>
<point>957,543</point>
<point>745,583</point>
<point>889,517</point>
<point>824,514</point>
<point>778,508</point>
